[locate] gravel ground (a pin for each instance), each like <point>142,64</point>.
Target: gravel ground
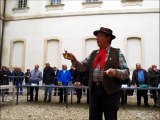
<point>56,111</point>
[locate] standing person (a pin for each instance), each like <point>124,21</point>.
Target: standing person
<point>9,74</point>
<point>14,74</point>
<point>20,76</point>
<point>139,77</point>
<point>55,80</point>
<point>27,74</point>
<point>85,80</point>
<point>72,72</point>
<point>123,96</point>
<point>35,77</point>
<point>78,82</point>
<point>153,74</point>
<point>48,79</point>
<point>4,78</point>
<point>64,77</point>
<point>107,69</point>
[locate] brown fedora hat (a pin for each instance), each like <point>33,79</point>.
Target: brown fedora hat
<point>106,31</point>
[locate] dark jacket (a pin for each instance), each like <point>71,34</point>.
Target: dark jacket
<point>48,75</point>
<point>85,78</point>
<point>111,84</point>
<point>126,82</point>
<point>18,77</point>
<point>135,77</point>
<point>27,75</point>
<point>153,77</point>
<point>4,77</point>
<point>55,78</point>
<point>76,76</point>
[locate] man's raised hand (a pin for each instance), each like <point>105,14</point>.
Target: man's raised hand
<point>69,56</point>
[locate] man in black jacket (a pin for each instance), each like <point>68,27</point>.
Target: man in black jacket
<point>4,80</point>
<point>55,80</point>
<point>77,81</point>
<point>48,79</point>
<point>153,74</point>
<point>139,77</point>
<point>85,80</point>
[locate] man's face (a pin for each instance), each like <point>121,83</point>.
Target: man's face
<point>72,67</point>
<point>47,65</point>
<point>36,67</point>
<point>4,68</point>
<point>55,68</point>
<point>138,66</point>
<point>64,67</point>
<point>103,40</point>
<point>28,70</point>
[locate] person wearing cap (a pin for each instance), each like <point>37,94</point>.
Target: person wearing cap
<point>107,69</point>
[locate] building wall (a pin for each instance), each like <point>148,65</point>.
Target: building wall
<point>74,24</point>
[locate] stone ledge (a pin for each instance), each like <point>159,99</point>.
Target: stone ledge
<point>84,13</point>
<point>20,10</point>
<point>25,8</point>
<point>131,2</point>
<point>55,7</point>
<point>92,4</point>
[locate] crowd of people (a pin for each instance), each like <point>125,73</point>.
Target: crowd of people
<point>49,76</point>
<point>144,78</point>
<point>65,77</point>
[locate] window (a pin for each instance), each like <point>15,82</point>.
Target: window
<point>22,3</point>
<point>55,2</point>
<point>54,5</point>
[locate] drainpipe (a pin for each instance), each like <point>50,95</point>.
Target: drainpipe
<point>2,34</point>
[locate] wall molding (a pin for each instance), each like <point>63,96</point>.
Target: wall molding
<point>92,4</point>
<point>11,52</point>
<point>84,44</point>
<point>142,49</point>
<point>45,49</point>
<point>54,7</point>
<point>82,13</point>
<point>131,2</point>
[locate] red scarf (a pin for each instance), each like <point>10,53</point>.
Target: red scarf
<point>100,59</point>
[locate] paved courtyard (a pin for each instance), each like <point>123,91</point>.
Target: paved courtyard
<point>56,111</point>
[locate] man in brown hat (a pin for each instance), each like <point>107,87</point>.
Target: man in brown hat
<point>107,69</point>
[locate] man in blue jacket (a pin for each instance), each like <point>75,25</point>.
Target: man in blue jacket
<point>63,77</point>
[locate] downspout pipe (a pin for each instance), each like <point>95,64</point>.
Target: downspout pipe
<point>2,34</point>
